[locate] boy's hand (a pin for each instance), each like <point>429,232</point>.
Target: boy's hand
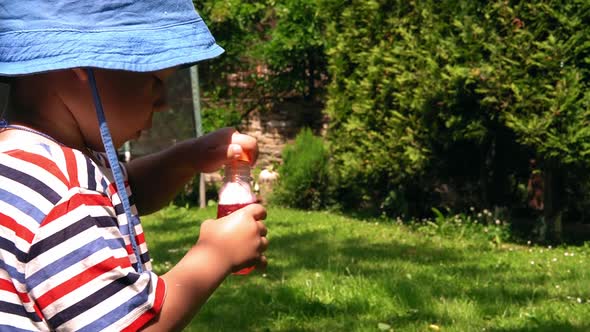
<point>226,144</point>
<point>242,144</point>
<point>239,239</point>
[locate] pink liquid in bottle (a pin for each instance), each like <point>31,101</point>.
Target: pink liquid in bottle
<point>236,193</point>
<point>226,209</point>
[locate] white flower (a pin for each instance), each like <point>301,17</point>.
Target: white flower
<point>532,262</point>
<point>498,222</point>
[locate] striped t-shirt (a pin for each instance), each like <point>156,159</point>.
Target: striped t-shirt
<point>66,262</point>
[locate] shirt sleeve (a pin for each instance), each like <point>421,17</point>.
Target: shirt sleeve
<point>79,270</point>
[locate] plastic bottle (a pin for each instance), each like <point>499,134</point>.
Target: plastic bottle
<point>236,192</point>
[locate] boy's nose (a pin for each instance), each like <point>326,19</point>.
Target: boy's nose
<point>164,74</point>
<point>161,103</point>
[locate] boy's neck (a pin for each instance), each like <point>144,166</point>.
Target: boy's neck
<point>36,104</point>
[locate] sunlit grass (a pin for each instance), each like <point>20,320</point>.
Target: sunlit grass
<point>332,273</point>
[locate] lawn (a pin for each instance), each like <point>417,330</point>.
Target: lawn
<point>329,272</point>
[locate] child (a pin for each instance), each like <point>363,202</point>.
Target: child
<point>72,250</point>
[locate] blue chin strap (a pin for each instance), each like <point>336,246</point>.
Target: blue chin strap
<point>115,167</point>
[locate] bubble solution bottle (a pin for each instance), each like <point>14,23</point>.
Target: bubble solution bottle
<point>236,192</point>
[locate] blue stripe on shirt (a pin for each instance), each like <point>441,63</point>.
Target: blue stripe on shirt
<point>11,248</point>
<point>121,311</point>
<point>14,329</point>
<point>19,310</point>
<point>12,271</point>
<point>73,258</point>
<point>91,170</point>
<point>92,300</point>
<point>22,205</point>
<point>68,233</point>
<point>31,182</point>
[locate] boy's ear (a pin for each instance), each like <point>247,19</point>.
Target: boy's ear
<point>81,74</point>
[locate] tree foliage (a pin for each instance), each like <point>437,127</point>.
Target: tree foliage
<point>430,102</point>
<point>304,173</point>
<point>273,49</point>
<point>425,92</point>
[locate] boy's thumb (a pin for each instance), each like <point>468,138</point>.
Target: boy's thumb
<point>234,151</point>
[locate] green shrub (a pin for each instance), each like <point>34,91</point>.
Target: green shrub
<point>303,176</point>
<point>456,94</point>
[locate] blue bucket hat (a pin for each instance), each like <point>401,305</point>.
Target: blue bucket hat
<point>145,35</point>
<point>133,35</point>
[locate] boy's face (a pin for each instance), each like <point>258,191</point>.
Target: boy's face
<point>129,100</point>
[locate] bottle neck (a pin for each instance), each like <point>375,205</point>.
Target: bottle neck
<point>237,170</point>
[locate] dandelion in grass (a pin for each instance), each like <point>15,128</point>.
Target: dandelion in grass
<point>434,327</point>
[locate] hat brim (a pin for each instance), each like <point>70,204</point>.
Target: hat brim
<point>140,50</point>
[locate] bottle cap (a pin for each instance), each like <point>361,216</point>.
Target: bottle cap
<point>244,157</point>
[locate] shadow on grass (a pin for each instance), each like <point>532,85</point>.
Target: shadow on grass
<point>412,277</point>
<point>434,275</point>
<point>315,250</point>
<point>254,309</point>
<point>547,326</point>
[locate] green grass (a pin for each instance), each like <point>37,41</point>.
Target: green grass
<point>332,273</point>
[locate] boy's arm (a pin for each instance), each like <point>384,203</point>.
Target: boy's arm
<point>188,286</point>
<point>158,177</point>
<point>225,245</point>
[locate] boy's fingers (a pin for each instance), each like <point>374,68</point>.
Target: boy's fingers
<point>234,151</point>
<point>257,211</point>
<point>262,263</point>
<point>262,228</point>
<point>246,143</point>
<point>263,244</point>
